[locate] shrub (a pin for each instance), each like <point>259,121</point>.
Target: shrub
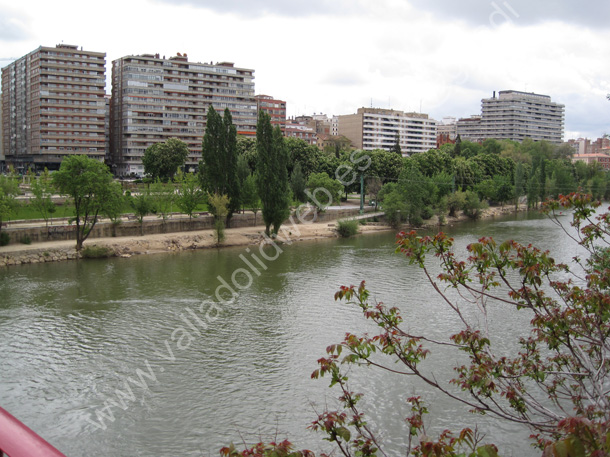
<point>25,240</point>
<point>455,202</point>
<point>347,228</point>
<point>96,252</point>
<point>473,207</point>
<point>416,220</point>
<point>4,239</point>
<point>427,212</point>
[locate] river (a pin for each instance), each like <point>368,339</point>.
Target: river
<point>112,358</point>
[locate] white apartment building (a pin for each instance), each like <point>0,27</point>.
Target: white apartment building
<point>515,115</point>
<point>374,128</point>
<point>154,99</point>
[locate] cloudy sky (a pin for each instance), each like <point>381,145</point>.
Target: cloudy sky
<point>439,57</point>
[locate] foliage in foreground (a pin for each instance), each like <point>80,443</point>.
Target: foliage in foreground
<point>556,384</point>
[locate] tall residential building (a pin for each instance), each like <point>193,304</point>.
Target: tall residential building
<point>53,106</point>
<point>154,99</point>
<point>515,115</point>
<point>469,128</point>
<point>276,109</point>
<point>373,128</point>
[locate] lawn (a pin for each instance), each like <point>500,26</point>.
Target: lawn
<point>27,212</point>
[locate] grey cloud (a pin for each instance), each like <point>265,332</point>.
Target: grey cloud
<point>257,8</point>
<point>591,13</point>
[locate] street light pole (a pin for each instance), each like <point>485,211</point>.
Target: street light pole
<point>362,194</point>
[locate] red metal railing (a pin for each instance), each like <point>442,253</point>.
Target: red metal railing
<point>18,440</point>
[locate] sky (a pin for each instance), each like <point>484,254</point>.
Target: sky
<point>439,57</point>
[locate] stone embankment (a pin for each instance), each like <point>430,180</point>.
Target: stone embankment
<point>38,255</point>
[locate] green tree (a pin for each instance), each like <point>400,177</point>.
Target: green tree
<point>218,167</point>
<point>306,155</point>
<point>163,197</point>
<point>246,147</point>
<point>473,206</point>
<point>394,206</point>
<point>220,204</point>
<point>9,189</point>
<point>87,182</point>
<point>142,204</point>
<point>323,191</point>
<point>243,172</point>
<point>396,146</point>
<point>519,183</point>
<point>533,189</point>
<point>162,160</point>
<point>413,187</point>
<point>386,189</point>
<point>188,194</point>
<point>298,183</point>
<point>456,202</point>
<point>373,186</point>
<point>504,189</point>
<point>250,198</point>
<point>384,165</point>
<point>272,174</point>
<point>114,205</point>
<point>42,189</point>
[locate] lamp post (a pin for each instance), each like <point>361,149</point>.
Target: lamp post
<point>362,194</point>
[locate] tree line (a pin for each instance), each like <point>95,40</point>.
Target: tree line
<point>271,173</point>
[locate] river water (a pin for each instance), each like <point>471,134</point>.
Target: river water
<point>128,357</point>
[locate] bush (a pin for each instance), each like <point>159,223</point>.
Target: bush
<point>427,212</point>
<point>4,239</point>
<point>25,240</point>
<point>455,202</point>
<point>473,207</point>
<point>96,252</point>
<point>416,220</point>
<point>347,228</point>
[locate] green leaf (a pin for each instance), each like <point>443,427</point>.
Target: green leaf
<point>487,451</point>
<point>344,433</point>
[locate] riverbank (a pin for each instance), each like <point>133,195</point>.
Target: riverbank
<point>127,246</point>
<point>53,251</point>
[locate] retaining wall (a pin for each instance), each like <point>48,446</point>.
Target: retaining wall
<point>61,230</point>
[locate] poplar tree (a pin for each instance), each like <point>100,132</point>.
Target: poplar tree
<point>272,175</point>
<point>218,167</point>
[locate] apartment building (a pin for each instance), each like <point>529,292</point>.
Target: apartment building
<point>52,106</point>
<point>373,128</point>
<point>154,98</point>
<point>515,115</point>
<point>275,108</point>
<point>469,128</point>
<point>302,131</point>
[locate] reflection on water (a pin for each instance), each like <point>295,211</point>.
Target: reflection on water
<point>76,334</point>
